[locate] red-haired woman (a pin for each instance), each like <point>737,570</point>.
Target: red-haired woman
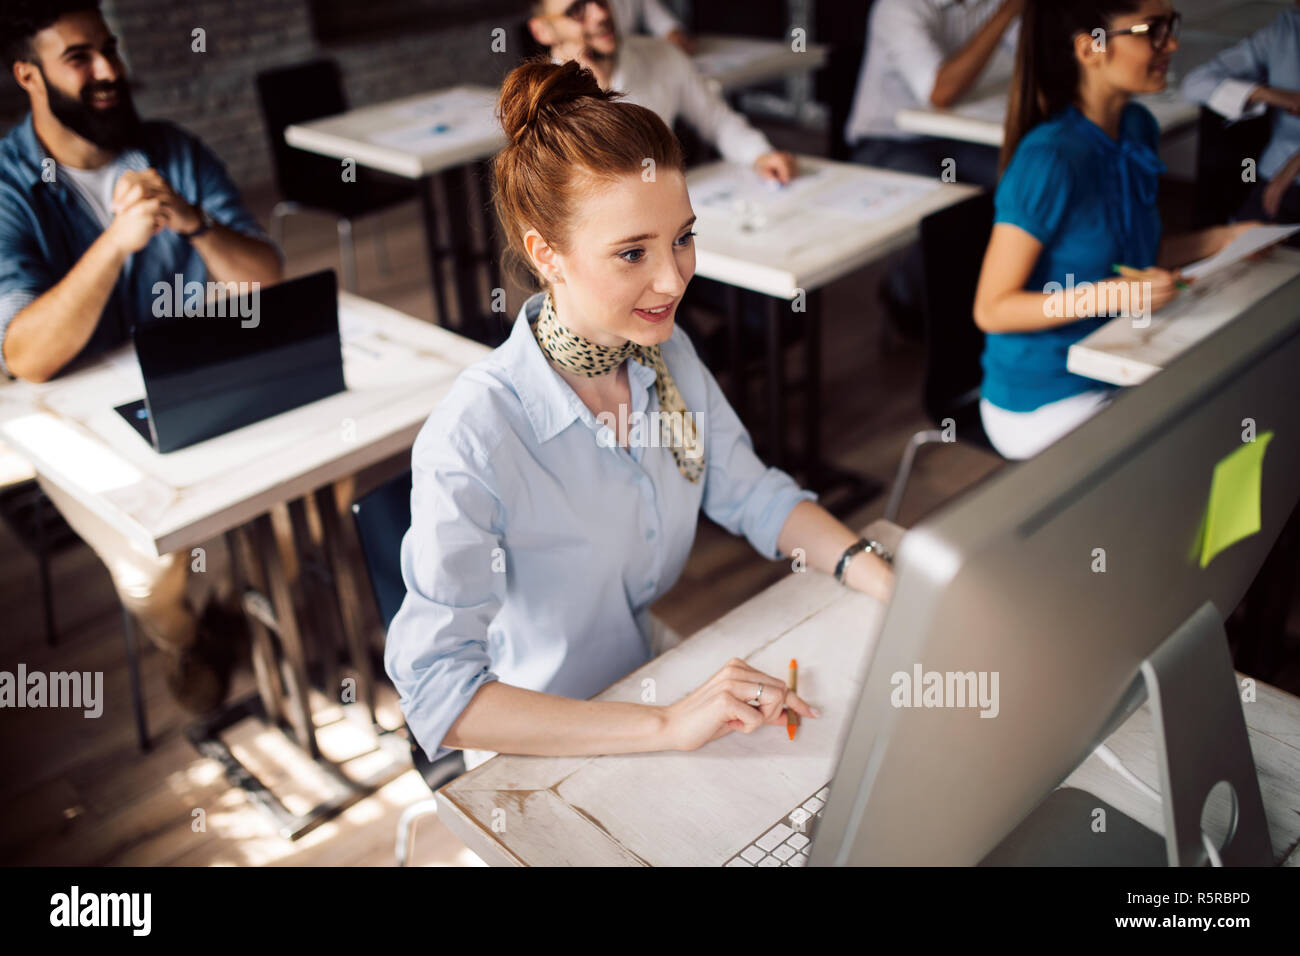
<point>557,488</point>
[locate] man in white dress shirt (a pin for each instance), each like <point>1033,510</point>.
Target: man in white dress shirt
<point>652,17</point>
<point>929,54</point>
<point>926,54</point>
<point>654,74</point>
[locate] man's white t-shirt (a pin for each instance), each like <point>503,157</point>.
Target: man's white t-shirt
<point>908,41</point>
<point>95,186</point>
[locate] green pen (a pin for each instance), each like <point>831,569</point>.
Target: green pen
<point>1120,270</point>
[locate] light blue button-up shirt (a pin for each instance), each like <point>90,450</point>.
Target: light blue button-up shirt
<point>1270,57</point>
<point>537,544</point>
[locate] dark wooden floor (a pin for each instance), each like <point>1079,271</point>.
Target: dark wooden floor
<point>77,791</point>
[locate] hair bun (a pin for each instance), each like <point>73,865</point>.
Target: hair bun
<point>539,89</point>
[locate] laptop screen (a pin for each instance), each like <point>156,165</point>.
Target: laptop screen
<point>248,358</point>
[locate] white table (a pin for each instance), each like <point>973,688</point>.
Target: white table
<point>786,244</point>
<point>831,221</point>
<point>738,62</point>
<point>396,368</point>
<point>1121,354</point>
<point>699,808</point>
<point>399,136</point>
<point>979,119</point>
<point>426,137</point>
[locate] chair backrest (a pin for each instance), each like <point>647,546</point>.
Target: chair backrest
<point>299,94</point>
<point>843,27</point>
<point>953,241</point>
<point>1221,148</point>
<point>381,518</point>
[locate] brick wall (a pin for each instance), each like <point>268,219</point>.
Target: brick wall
<point>212,94</point>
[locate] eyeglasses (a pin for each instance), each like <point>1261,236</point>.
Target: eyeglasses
<point>578,10</point>
<point>1159,30</point>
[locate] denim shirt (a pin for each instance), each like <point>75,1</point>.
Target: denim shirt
<point>537,544</point>
<point>46,227</point>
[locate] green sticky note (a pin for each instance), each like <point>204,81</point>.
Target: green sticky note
<point>1233,511</point>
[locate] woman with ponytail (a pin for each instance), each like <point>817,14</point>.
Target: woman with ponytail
<point>1077,198</point>
<point>557,488</point>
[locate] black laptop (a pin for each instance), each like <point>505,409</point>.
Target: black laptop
<point>273,350</point>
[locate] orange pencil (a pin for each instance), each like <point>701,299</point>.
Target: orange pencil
<point>792,718</point>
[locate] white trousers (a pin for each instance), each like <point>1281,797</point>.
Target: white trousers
<point>1020,435</point>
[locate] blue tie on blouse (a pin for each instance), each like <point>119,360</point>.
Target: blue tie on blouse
<point>537,544</point>
<point>1091,201</point>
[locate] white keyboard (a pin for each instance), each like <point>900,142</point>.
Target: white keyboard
<point>788,842</point>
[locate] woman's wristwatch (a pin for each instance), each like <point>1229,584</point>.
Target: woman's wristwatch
<point>856,548</point>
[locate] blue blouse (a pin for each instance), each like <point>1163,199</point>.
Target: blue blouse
<point>537,543</point>
<point>1091,202</point>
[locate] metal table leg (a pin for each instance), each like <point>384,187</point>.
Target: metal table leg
<point>295,671</point>
<point>735,346</point>
<point>340,549</point>
<point>429,211</point>
<point>775,383</point>
<point>457,188</point>
<point>282,690</point>
<point>844,491</point>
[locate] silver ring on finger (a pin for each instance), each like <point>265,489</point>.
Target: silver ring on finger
<point>757,699</point>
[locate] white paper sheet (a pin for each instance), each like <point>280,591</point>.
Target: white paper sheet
<point>755,206</point>
<point>720,58</point>
<point>1244,245</point>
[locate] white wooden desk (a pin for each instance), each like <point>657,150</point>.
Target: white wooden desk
<point>701,807</point>
<point>683,809</point>
<point>397,369</point>
<point>426,137</point>
<point>831,221</point>
<point>413,137</point>
<point>1121,354</point>
<point>738,62</point>
<point>980,118</point>
<point>786,244</point>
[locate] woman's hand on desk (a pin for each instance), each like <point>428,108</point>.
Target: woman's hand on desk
<point>776,166</point>
<point>719,706</point>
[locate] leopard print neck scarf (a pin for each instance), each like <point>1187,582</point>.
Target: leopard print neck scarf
<point>578,355</point>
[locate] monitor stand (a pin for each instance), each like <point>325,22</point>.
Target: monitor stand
<point>1200,737</point>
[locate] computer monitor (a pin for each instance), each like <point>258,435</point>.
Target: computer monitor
<point>1062,582</point>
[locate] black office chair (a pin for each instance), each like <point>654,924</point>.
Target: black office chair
<point>953,241</point>
<point>843,26</point>
<point>313,183</point>
<point>1221,148</point>
<point>382,517</point>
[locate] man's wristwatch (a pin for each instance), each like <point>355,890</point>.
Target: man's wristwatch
<point>856,548</point>
<point>206,222</point>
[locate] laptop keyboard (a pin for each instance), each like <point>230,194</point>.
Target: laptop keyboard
<point>789,841</point>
